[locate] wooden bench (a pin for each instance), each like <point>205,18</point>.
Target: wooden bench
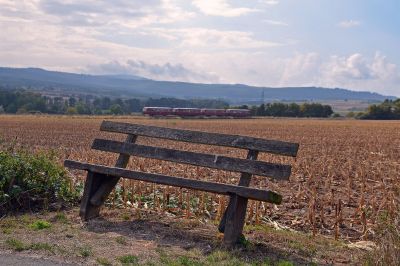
<point>101,179</point>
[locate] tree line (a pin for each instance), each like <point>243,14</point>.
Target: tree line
<point>22,101</point>
<point>388,110</point>
<point>291,110</point>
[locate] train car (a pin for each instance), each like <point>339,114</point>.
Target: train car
<point>157,111</point>
<point>187,112</point>
<point>195,112</point>
<point>237,112</point>
<point>213,112</point>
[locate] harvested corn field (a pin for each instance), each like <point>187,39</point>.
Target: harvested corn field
<point>344,179</point>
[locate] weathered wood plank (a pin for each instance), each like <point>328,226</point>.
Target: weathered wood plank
<point>239,204</point>
<point>236,210</point>
<point>225,189</point>
<point>99,197</point>
<point>235,214</point>
<point>277,171</point>
<point>236,141</point>
<point>93,181</point>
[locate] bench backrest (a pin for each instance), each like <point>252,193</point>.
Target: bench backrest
<point>102,179</point>
<point>249,166</point>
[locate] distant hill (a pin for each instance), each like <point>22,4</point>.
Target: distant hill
<point>124,86</point>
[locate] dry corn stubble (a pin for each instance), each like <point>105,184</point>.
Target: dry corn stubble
<point>344,178</point>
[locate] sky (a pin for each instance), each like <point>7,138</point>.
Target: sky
<point>353,44</point>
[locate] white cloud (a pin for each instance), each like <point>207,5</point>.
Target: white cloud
<point>352,67</point>
<point>270,2</point>
<point>355,71</point>
<point>166,39</point>
<point>275,22</point>
<point>166,71</point>
<point>300,69</point>
<point>349,23</point>
<point>364,73</point>
<point>125,13</point>
<point>215,39</point>
<point>221,8</point>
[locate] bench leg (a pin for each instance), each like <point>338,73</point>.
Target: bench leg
<point>101,194</point>
<point>234,220</point>
<point>92,183</point>
<point>245,182</point>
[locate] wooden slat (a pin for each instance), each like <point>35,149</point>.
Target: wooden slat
<point>243,142</point>
<point>277,171</point>
<point>225,189</point>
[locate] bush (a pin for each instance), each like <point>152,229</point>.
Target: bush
<point>32,182</point>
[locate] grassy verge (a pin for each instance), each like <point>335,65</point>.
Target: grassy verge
<point>114,240</point>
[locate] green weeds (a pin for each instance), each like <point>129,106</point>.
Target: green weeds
<point>128,259</point>
<point>39,225</point>
<point>18,245</point>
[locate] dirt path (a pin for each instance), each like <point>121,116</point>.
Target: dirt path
<point>12,259</point>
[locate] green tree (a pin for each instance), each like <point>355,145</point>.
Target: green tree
<point>71,101</point>
<point>82,109</point>
<point>351,114</point>
<point>116,109</point>
<point>260,111</point>
<point>293,110</point>
<point>277,109</point>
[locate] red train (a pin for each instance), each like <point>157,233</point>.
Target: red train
<point>195,112</point>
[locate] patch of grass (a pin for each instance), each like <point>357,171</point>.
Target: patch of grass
<point>61,217</point>
<point>16,244</point>
<point>40,225</point>
<point>8,223</point>
<point>121,240</point>
<point>219,257</point>
<point>265,262</point>
<point>6,231</point>
<point>42,246</point>
<point>303,243</point>
<point>194,258</point>
<point>308,249</point>
<point>285,263</point>
<point>103,262</point>
<point>85,251</point>
<point>25,219</point>
<point>129,259</point>
<point>186,261</point>
<point>224,258</point>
